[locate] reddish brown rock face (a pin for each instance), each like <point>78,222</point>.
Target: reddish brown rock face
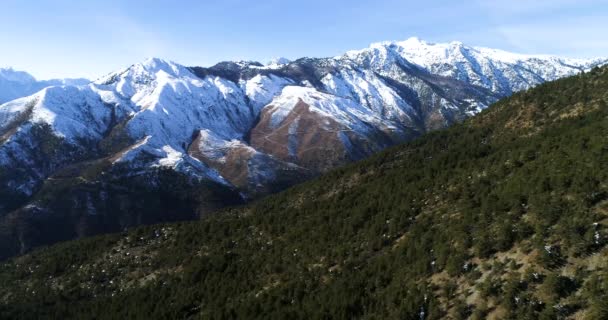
<point>303,137</point>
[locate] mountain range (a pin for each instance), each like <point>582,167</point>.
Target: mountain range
<point>501,216</point>
<point>16,84</point>
<point>132,147</point>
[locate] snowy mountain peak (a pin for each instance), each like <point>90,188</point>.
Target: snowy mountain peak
<point>422,52</point>
<point>413,44</point>
<point>412,41</point>
<point>278,61</point>
<point>497,70</point>
<point>11,74</point>
<point>142,74</point>
<point>154,65</point>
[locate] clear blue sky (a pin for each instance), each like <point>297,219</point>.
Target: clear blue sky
<point>89,38</point>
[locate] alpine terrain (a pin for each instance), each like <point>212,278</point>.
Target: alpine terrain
<point>502,216</point>
<point>159,141</point>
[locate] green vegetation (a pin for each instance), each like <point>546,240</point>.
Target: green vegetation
<point>504,216</point>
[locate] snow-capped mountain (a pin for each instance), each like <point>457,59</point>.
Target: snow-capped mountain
<point>500,71</point>
<point>277,62</point>
<point>16,84</point>
<point>243,127</point>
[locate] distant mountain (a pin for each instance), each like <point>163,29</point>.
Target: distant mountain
<point>502,72</point>
<point>240,127</point>
<point>16,84</point>
<point>504,216</point>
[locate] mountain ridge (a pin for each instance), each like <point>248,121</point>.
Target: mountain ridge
<point>249,128</point>
<point>16,84</point>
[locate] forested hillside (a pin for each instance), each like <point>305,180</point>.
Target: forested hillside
<point>504,216</point>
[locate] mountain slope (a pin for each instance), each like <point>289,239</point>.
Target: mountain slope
<point>242,127</point>
<point>16,84</point>
<point>503,216</point>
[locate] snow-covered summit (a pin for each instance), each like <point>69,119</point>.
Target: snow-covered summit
<point>145,70</point>
<point>277,61</point>
<point>498,70</point>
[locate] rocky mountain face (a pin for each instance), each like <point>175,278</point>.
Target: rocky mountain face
<point>232,132</point>
<point>16,84</point>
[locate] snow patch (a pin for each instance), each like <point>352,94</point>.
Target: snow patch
<point>172,157</point>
